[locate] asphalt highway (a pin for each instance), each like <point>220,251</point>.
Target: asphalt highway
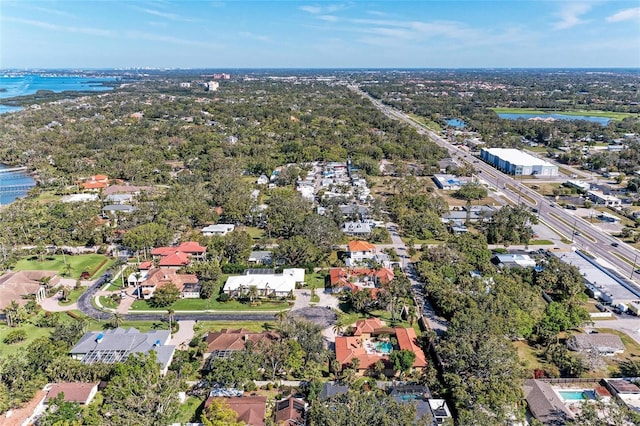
<point>583,235</point>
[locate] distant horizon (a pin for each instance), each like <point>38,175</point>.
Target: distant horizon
<point>79,69</point>
<point>319,34</point>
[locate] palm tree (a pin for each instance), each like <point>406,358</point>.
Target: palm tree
<point>170,314</point>
<point>281,316</point>
<point>340,325</point>
<point>67,269</point>
<point>252,293</point>
<point>116,319</point>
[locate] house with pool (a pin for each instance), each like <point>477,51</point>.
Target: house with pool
<point>372,341</point>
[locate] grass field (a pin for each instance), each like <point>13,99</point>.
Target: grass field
<point>79,264</point>
<point>211,304</point>
<point>32,331</point>
<point>593,113</point>
<point>255,326</point>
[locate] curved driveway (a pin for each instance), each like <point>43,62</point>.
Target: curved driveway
<point>86,307</point>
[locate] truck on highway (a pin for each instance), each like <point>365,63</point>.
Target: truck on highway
<point>634,307</point>
<point>621,308</point>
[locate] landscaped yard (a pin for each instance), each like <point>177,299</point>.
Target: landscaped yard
<point>32,331</point>
<point>92,263</point>
<point>107,302</point>
<point>212,304</point>
<point>74,294</point>
<point>256,326</point>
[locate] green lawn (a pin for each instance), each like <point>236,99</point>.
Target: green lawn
<point>350,316</point>
<point>107,302</point>
<point>594,113</point>
<point>211,304</point>
<point>79,264</point>
<point>255,326</point>
<point>73,296</point>
<point>33,333</point>
<point>189,409</point>
<point>540,243</point>
<point>255,233</point>
<point>316,280</point>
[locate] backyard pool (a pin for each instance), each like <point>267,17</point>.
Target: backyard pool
<point>384,347</point>
<point>579,395</point>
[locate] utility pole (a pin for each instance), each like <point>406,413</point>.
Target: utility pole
<point>634,266</point>
<point>573,230</point>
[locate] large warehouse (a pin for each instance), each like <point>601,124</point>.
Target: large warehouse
<point>516,162</point>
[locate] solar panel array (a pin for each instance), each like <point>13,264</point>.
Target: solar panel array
<point>107,356</point>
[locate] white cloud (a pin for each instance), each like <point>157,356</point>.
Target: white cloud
<point>168,39</point>
<point>571,15</point>
<point>161,14</point>
<point>317,10</point>
<point>253,36</point>
<point>632,14</point>
<point>328,18</point>
<point>54,27</point>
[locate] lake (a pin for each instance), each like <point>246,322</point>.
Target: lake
<point>515,116</point>
<point>14,185</point>
<point>31,83</point>
<point>455,122</point>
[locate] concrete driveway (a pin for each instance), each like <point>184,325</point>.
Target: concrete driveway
<point>184,335</point>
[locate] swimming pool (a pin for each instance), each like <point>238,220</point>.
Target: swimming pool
<point>384,347</point>
<point>579,395</point>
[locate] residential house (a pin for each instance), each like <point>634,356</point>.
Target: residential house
<point>221,344</point>
<point>356,279</point>
<point>219,230</point>
<point>81,393</point>
<point>359,252</point>
<point>155,278</point>
<point>624,390</point>
<point>330,389</point>
<point>368,352</point>
<point>603,343</point>
<point>95,183</point>
<point>262,180</point>
<point>544,403</point>
<point>117,208</point>
<point>266,281</point>
<point>111,346</point>
<point>260,257</point>
<point>21,286</point>
<point>124,198</point>
<point>357,229</point>
<point>414,394</point>
<point>440,412</point>
<point>250,409</point>
<point>291,411</point>
<point>179,256</point>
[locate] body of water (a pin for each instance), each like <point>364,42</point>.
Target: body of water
<point>29,84</point>
<point>14,185</point>
<point>514,116</point>
<point>455,122</point>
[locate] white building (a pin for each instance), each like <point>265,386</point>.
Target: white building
<point>600,198</point>
<point>219,229</point>
<point>516,162</point>
<point>449,182</point>
<point>578,184</point>
<point>266,282</point>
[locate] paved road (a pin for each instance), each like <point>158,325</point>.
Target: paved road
<point>598,243</point>
<point>627,324</point>
<point>436,323</point>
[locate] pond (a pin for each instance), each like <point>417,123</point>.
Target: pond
<point>554,116</point>
<point>455,122</point>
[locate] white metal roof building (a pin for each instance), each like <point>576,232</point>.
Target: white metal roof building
<point>516,162</point>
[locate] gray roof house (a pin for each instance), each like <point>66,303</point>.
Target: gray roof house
<point>330,389</point>
<point>605,343</point>
<point>260,257</point>
<point>357,229</point>
<point>111,346</point>
<point>544,404</point>
<point>124,208</point>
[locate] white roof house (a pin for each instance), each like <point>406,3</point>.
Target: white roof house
<point>219,229</point>
<point>268,283</point>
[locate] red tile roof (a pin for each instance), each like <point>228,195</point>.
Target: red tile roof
<point>159,277</point>
<point>407,339</point>
<point>145,266</point>
<point>163,251</point>
<point>250,409</point>
<point>368,325</point>
<point>176,259</point>
<point>350,347</point>
<point>360,246</point>
<point>94,185</point>
<point>191,247</point>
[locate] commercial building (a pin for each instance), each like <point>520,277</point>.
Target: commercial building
<point>450,182</point>
<point>516,162</point>
<point>599,197</point>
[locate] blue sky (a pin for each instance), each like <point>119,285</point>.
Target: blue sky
<point>377,34</point>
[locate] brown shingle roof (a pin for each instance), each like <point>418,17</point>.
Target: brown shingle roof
<point>14,285</point>
<point>73,392</point>
<point>235,340</point>
<point>250,409</point>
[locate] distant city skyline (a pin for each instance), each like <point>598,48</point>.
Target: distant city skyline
<point>319,34</point>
